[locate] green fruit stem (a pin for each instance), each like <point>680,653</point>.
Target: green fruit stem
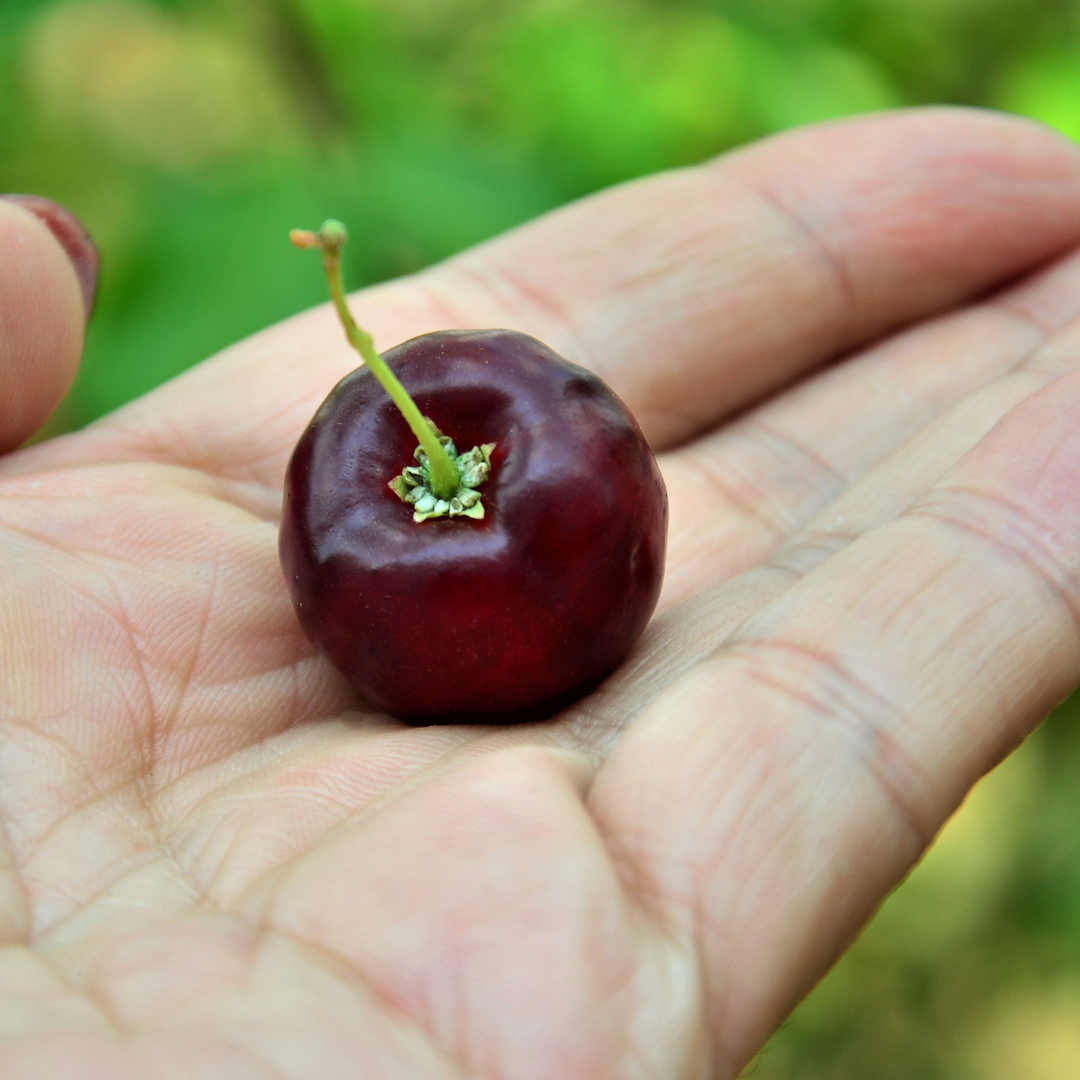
<point>330,239</point>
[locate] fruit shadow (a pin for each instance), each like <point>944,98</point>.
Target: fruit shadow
<point>534,714</point>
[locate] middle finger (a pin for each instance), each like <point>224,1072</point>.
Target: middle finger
<point>740,493</point>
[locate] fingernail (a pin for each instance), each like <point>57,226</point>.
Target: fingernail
<point>73,238</point>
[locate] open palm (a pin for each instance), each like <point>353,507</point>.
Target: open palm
<point>215,861</point>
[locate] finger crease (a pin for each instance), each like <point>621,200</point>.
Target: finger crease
<point>1010,532</point>
<point>819,682</point>
<point>827,256</point>
<point>809,550</point>
<point>751,505</point>
<point>515,290</point>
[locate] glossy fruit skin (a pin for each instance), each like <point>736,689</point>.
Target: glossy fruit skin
<point>453,616</point>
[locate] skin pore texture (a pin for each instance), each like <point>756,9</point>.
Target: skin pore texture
<point>856,351</point>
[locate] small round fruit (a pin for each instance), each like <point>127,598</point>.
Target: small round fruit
<point>454,615</point>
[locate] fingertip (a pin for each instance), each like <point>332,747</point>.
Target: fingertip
<point>47,281</point>
<point>72,236</point>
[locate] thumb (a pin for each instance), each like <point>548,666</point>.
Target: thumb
<point>48,277</point>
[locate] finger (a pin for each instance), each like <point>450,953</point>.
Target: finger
<point>786,783</point>
<point>48,266</point>
<point>685,634</point>
<point>890,489</point>
<point>742,492</point>
<point>691,630</point>
<point>691,293</point>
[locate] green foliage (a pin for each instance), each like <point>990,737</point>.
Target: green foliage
<point>817,81</point>
<point>1045,85</point>
<point>191,135</point>
<point>603,95</point>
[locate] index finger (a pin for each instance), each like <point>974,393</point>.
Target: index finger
<point>692,293</point>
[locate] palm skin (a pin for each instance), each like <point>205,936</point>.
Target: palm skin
<point>216,862</point>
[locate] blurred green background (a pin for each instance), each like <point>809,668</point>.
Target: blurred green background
<point>190,135</point>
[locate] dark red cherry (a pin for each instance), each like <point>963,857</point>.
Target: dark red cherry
<point>546,593</point>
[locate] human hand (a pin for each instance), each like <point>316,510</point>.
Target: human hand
<point>215,862</point>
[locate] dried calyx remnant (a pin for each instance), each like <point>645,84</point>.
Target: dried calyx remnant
<point>444,483</point>
<point>413,485</point>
